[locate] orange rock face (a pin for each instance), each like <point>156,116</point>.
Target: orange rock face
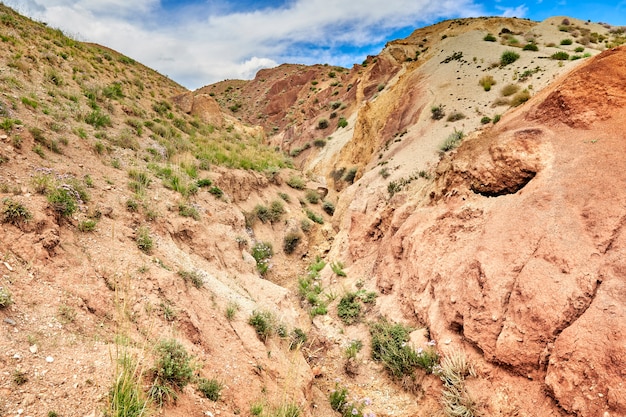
<point>521,250</point>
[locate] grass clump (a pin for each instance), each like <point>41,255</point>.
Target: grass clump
<point>342,122</point>
<point>194,277</point>
<point>560,56</point>
<point>508,57</point>
<point>64,200</point>
<point>337,268</point>
<point>172,371</point>
<point>296,182</point>
<point>389,346</point>
<point>262,252</point>
<point>314,217</point>
<point>5,298</point>
<point>14,212</point>
<point>126,397</point>
<point>88,225</point>
<point>530,47</point>
<point>486,82</point>
<point>452,141</point>
<point>455,117</point>
<point>350,306</point>
<point>328,207</point>
<point>509,90</point>
<point>263,323</point>
<point>453,371</point>
<point>490,38</point>
<point>144,240</point>
<point>437,112</point>
<point>566,41</point>
<point>210,388</point>
<point>520,98</point>
<point>312,196</point>
<point>291,241</point>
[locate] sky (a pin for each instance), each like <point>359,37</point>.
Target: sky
<point>199,42</point>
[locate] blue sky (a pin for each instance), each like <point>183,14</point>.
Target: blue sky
<point>198,42</point>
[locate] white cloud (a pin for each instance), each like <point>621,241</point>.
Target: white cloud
<point>519,11</point>
<point>195,47</point>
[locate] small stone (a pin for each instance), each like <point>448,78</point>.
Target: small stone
<point>33,349</point>
<point>49,359</point>
<point>9,267</point>
<point>17,356</point>
<point>10,321</point>
<point>447,341</point>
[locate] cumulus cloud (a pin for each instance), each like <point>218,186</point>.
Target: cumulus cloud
<point>199,44</point>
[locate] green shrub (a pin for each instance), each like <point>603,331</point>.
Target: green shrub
<point>262,252</point>
<point>204,182</point>
<point>296,182</point>
<point>276,211</point>
<point>328,207</point>
<point>337,268</point>
<point>338,398</point>
<point>579,49</point>
<point>291,241</point>
<point>263,323</point>
<point>312,196</point>
<point>496,118</point>
<point>350,175</point>
<point>88,225</point>
<point>353,348</point>
<point>567,41</point>
<point>530,47</point>
<point>349,308</point>
<point>132,205</point>
<point>319,143</point>
<point>305,225</point>
<point>210,388</point>
<point>485,119</point>
<point>262,213</point>
<point>64,200</point>
<point>322,124</point>
<point>389,346</point>
<point>490,38</point>
<point>315,217</point>
<point>188,210</point>
<point>297,338</point>
<point>14,212</point>
<point>143,239</point>
<point>437,112</point>
<point>342,122</point>
<point>97,119</point>
<point>560,56</point>
<point>508,57</point>
<point>216,191</point>
<point>172,370</point>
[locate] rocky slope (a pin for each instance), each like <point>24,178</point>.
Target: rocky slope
<point>506,251</point>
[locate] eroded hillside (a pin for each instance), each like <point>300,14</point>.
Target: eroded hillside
<point>305,243</point>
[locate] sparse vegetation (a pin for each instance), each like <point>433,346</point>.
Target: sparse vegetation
<point>508,57</point>
<point>452,141</point>
<point>14,212</point>
<point>437,112</point>
<point>296,182</point>
<point>262,253</point>
<point>490,38</point>
<point>291,241</point>
<point>144,239</point>
<point>172,371</point>
<point>560,56</point>
<point>487,82</point>
<point>5,298</point>
<point>520,98</point>
<point>210,388</point>
<point>509,89</point>
<point>263,323</point>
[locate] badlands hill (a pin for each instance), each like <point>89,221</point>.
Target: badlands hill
<point>438,230</point>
